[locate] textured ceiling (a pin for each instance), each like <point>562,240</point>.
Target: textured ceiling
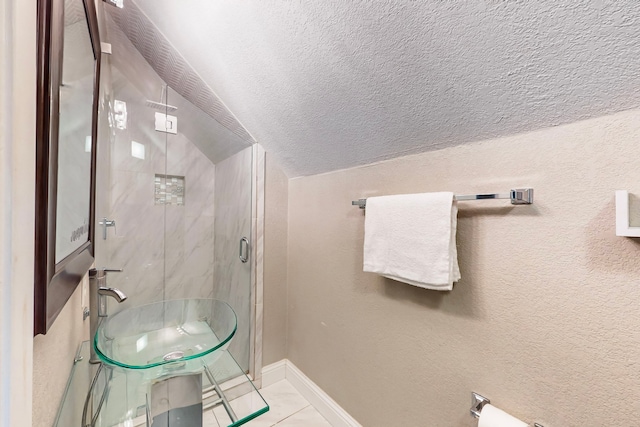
<point>332,84</point>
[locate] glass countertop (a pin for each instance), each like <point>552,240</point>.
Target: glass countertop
<point>120,396</point>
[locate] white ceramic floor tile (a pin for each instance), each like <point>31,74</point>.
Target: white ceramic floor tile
<point>284,401</point>
<point>308,417</point>
<point>209,420</point>
<point>287,408</point>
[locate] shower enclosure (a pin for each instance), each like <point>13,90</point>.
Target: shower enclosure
<point>174,194</point>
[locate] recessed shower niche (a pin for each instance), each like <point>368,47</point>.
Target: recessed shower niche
<point>169,190</point>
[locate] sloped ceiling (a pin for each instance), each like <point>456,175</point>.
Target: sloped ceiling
<point>331,84</point>
<point>202,120</point>
<point>169,64</point>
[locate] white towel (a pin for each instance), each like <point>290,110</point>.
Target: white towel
<point>412,238</point>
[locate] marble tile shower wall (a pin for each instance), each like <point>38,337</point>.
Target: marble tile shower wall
<point>166,251</point>
<point>189,243</point>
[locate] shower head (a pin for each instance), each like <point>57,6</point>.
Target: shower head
<point>160,106</point>
<point>165,108</point>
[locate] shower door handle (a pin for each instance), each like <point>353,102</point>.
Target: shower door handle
<point>244,250</point>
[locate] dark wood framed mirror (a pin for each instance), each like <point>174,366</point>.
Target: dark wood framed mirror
<point>67,112</point>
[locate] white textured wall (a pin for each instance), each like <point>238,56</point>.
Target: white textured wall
<point>17,187</point>
<point>546,320</point>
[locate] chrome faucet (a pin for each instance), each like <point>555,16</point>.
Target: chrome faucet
<point>98,293</point>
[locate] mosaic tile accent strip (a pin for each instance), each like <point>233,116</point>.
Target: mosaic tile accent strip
<point>172,67</point>
<point>169,190</point>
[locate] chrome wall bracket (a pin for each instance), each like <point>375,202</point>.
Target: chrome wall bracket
<point>522,196</point>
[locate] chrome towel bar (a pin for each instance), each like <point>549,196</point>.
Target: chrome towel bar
<point>519,196</point>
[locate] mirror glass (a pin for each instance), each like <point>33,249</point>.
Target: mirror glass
<point>74,135</point>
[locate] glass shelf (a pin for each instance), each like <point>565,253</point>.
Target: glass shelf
<point>120,397</point>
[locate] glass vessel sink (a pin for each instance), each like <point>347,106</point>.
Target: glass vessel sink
<point>165,360</point>
<point>166,334</point>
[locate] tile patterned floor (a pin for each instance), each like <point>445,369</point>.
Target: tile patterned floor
<point>287,409</point>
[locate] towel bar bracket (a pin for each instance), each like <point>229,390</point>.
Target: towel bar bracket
<point>361,203</point>
<point>522,196</point>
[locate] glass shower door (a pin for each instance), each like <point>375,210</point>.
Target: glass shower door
<point>177,214</point>
<point>205,254</point>
<point>232,234</point>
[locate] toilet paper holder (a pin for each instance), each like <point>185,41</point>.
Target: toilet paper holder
<point>477,403</point>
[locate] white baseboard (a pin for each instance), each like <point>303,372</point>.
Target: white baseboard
<point>320,400</point>
<point>273,373</point>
